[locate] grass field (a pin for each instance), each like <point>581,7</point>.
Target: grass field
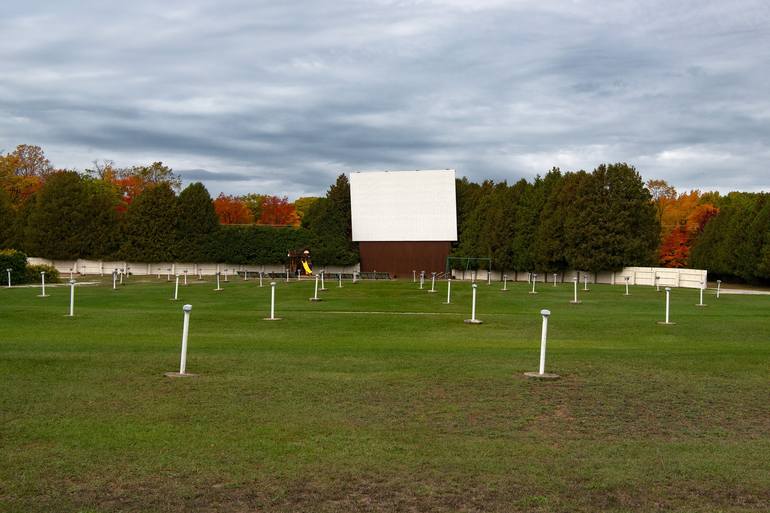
<point>404,408</point>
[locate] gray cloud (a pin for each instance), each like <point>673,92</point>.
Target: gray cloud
<point>281,97</point>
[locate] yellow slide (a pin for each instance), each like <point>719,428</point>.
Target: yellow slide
<point>307,267</point>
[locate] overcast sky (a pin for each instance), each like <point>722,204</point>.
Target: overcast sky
<point>280,97</point>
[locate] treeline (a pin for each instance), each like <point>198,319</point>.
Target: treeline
<point>598,221</point>
<point>138,216</point>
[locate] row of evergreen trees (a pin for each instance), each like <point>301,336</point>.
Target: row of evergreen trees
<point>736,243</point>
<point>597,221</point>
<point>79,216</point>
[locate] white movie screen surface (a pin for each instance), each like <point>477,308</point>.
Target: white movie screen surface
<point>403,206</point>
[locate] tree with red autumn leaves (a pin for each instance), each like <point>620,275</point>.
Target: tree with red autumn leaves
<point>278,212</point>
<point>232,210</point>
<point>676,245</point>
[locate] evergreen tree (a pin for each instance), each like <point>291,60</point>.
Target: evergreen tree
<point>55,228</point>
<point>101,230</point>
<point>329,220</point>
<point>197,223</point>
<point>529,212</point>
<point>150,226</point>
<point>550,244</point>
<point>7,220</point>
<point>612,222</point>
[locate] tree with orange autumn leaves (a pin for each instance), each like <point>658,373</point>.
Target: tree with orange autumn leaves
<point>232,210</point>
<point>682,218</point>
<point>273,211</point>
<point>23,171</point>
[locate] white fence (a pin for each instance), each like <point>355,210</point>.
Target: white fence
<point>99,267</point>
<point>652,276</point>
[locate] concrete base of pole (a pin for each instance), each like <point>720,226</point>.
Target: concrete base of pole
<point>533,292</point>
<point>575,302</point>
<point>217,290</point>
<point>445,303</point>
<point>273,319</point>
<point>177,375</point>
<point>44,295</point>
<point>472,321</point>
<point>316,299</point>
<point>666,323</point>
<point>173,299</point>
<point>695,305</point>
<point>323,289</point>
<point>546,376</point>
<point>503,290</point>
<point>432,291</point>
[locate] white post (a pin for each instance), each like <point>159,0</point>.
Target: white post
<point>433,283</point>
<point>287,275</point>
<point>543,337</point>
<point>340,280</point>
<point>585,281</point>
<point>121,276</point>
<point>260,278</point>
<point>414,276</point>
<point>185,330</point>
<point>534,280</point>
<point>245,275</point>
<point>668,304</point>
<point>422,278</point>
<point>226,275</point>
<point>448,290</point>
<point>70,273</point>
<point>218,287</point>
<point>115,279</point>
<point>9,277</point>
<point>354,277</point>
<point>657,282</point>
<point>315,294</point>
<point>489,276</point>
<point>185,277</point>
<point>272,300</point>
<point>575,284</point>
<point>554,279</point>
<point>72,298</point>
<point>719,284</point>
<point>473,304</point>
<point>700,303</point>
<point>176,288</point>
<point>626,278</point>
<point>42,283</point>
<point>323,287</point>
<point>505,282</point>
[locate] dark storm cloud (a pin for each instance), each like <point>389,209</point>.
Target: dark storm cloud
<point>281,97</point>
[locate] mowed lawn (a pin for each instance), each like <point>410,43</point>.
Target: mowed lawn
<point>380,398</point>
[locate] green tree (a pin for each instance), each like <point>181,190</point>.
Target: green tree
<point>150,226</point>
<point>329,221</point>
<point>254,202</point>
<point>72,217</point>
<point>7,220</point>
<point>197,223</point>
<point>302,205</point>
<point>612,222</point>
<point>55,227</point>
<point>549,250</point>
<point>101,230</point>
